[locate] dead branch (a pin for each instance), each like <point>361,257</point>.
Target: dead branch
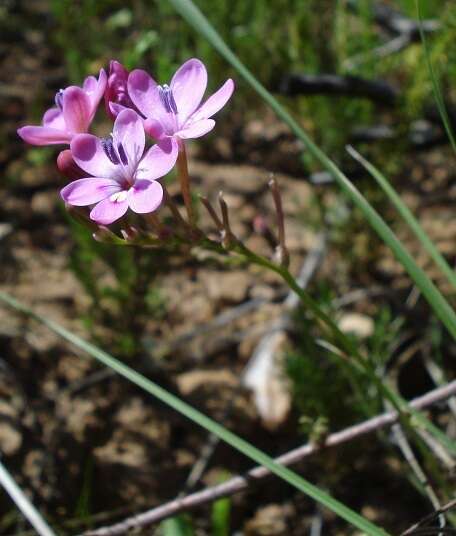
<point>239,483</point>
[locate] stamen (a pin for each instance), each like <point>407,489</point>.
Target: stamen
<point>122,154</point>
<point>118,197</point>
<point>109,150</point>
<point>58,99</point>
<point>167,98</point>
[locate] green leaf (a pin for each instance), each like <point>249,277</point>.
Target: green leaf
<point>442,309</point>
<point>435,83</point>
<point>221,510</point>
<point>202,420</point>
<point>177,526</point>
<point>407,216</point>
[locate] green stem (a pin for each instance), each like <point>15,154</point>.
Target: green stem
<point>355,358</point>
<point>182,171</point>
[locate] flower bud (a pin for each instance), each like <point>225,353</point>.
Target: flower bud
<point>68,167</point>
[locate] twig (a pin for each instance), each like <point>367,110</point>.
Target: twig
<point>23,503</point>
<point>239,483</point>
<point>429,518</point>
<point>411,459</point>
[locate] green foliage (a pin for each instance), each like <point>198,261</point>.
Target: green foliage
<point>177,526</point>
<point>318,384</point>
<point>220,513</point>
<point>121,285</point>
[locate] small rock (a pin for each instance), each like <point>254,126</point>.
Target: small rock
<point>188,382</point>
<point>360,325</point>
<point>10,439</point>
<point>228,286</point>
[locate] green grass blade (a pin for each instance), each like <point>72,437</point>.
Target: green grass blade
<point>202,420</point>
<point>176,526</point>
<point>23,503</point>
<point>407,216</point>
<point>435,83</point>
<point>442,309</point>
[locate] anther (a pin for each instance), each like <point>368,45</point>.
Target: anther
<point>58,99</point>
<point>122,154</point>
<point>109,150</point>
<point>166,96</point>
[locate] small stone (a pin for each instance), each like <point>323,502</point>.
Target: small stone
<point>10,439</point>
<point>358,324</point>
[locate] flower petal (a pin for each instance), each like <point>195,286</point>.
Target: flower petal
<point>43,135</point>
<point>196,130</point>
<point>215,102</point>
<point>143,91</point>
<point>115,109</point>
<point>89,155</point>
<point>188,86</point>
<point>159,160</point>
<point>108,211</point>
<point>95,89</point>
<point>129,131</point>
<point>53,118</point>
<point>88,191</point>
<point>145,196</point>
<point>154,128</point>
<point>77,109</point>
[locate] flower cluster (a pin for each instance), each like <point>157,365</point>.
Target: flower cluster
<point>120,172</point>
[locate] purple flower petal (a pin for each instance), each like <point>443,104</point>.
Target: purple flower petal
<point>188,86</point>
<point>143,91</point>
<point>145,196</point>
<point>154,128</point>
<point>77,109</point>
<point>83,192</point>
<point>159,160</point>
<point>108,211</point>
<point>43,135</point>
<point>129,132</point>
<point>196,130</point>
<point>89,155</point>
<point>215,102</point>
<point>53,118</point>
<point>95,89</point>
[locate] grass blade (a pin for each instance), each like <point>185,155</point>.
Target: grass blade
<point>202,420</point>
<point>442,309</point>
<point>23,503</point>
<point>407,216</point>
<point>435,83</point>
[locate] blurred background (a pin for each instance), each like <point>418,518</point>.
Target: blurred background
<point>91,449</point>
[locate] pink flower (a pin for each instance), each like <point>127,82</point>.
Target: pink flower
<point>74,110</point>
<point>176,110</point>
<point>122,176</point>
<point>116,94</point>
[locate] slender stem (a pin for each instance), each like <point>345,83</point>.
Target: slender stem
<point>212,213</point>
<point>228,238</point>
<point>281,250</point>
<point>173,208</point>
<point>355,358</point>
<point>23,503</point>
<point>184,179</point>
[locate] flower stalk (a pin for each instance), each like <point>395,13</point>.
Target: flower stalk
<point>281,252</point>
<point>184,181</point>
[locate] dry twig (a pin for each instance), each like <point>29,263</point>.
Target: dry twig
<point>239,483</point>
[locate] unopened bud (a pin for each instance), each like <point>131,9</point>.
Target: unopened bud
<point>68,167</point>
